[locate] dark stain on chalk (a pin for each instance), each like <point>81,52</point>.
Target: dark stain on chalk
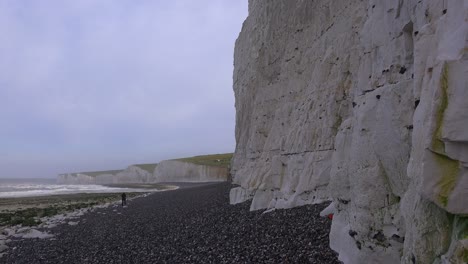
<point>402,70</point>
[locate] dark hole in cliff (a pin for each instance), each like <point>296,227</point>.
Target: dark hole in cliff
<point>413,259</point>
<point>373,6</point>
<point>429,69</point>
<point>358,244</point>
<point>320,117</point>
<point>444,12</point>
<point>397,238</point>
<point>343,201</point>
<point>370,76</point>
<point>402,70</point>
<point>378,97</point>
<point>337,58</point>
<point>352,233</point>
<point>379,236</point>
<point>416,103</point>
<point>412,76</point>
<point>354,104</point>
<point>416,33</point>
<point>409,127</point>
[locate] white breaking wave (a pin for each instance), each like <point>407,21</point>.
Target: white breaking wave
<point>30,190</point>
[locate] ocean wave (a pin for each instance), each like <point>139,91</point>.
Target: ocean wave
<point>29,190</point>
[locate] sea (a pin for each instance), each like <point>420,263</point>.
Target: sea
<point>22,187</point>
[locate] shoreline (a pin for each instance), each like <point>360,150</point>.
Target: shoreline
<point>29,211</point>
<point>199,217</point>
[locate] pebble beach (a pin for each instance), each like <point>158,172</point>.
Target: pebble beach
<point>193,224</point>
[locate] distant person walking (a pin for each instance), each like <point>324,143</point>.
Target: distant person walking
<point>124,199</point>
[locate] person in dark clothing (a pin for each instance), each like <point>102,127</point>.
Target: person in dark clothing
<point>124,199</point>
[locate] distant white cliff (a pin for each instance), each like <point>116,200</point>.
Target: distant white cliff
<point>364,103</point>
<point>179,171</point>
<point>165,171</point>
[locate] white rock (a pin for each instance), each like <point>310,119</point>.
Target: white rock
<point>326,94</point>
<point>8,232</point>
<point>329,210</point>
<point>33,233</point>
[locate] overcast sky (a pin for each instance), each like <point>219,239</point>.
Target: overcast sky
<point>96,85</point>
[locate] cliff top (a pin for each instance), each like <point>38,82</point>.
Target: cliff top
<point>96,173</point>
<point>149,167</point>
<point>217,160</point>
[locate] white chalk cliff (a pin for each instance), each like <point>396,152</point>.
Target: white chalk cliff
<point>165,171</point>
<point>179,171</point>
<point>365,103</point>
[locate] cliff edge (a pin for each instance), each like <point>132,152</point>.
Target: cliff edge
<point>363,103</point>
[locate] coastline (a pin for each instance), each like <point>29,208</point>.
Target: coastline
<point>29,211</point>
<point>194,224</point>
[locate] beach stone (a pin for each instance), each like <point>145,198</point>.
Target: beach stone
<point>8,232</point>
<point>3,248</point>
<point>200,218</point>
<point>23,230</point>
<point>32,233</point>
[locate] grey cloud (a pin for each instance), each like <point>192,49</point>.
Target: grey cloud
<point>115,81</point>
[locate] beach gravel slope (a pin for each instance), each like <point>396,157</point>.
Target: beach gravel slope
<point>194,224</point>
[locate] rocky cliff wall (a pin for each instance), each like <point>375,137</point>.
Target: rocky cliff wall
<point>178,171</point>
<point>132,174</point>
<point>364,103</point>
<point>165,171</point>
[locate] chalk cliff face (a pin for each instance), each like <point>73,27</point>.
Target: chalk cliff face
<point>132,174</point>
<point>165,171</point>
<point>178,171</point>
<point>364,103</point>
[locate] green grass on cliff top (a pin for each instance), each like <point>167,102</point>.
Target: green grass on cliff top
<point>216,160</point>
<point>149,167</point>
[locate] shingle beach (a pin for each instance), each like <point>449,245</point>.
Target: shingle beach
<point>194,224</point>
